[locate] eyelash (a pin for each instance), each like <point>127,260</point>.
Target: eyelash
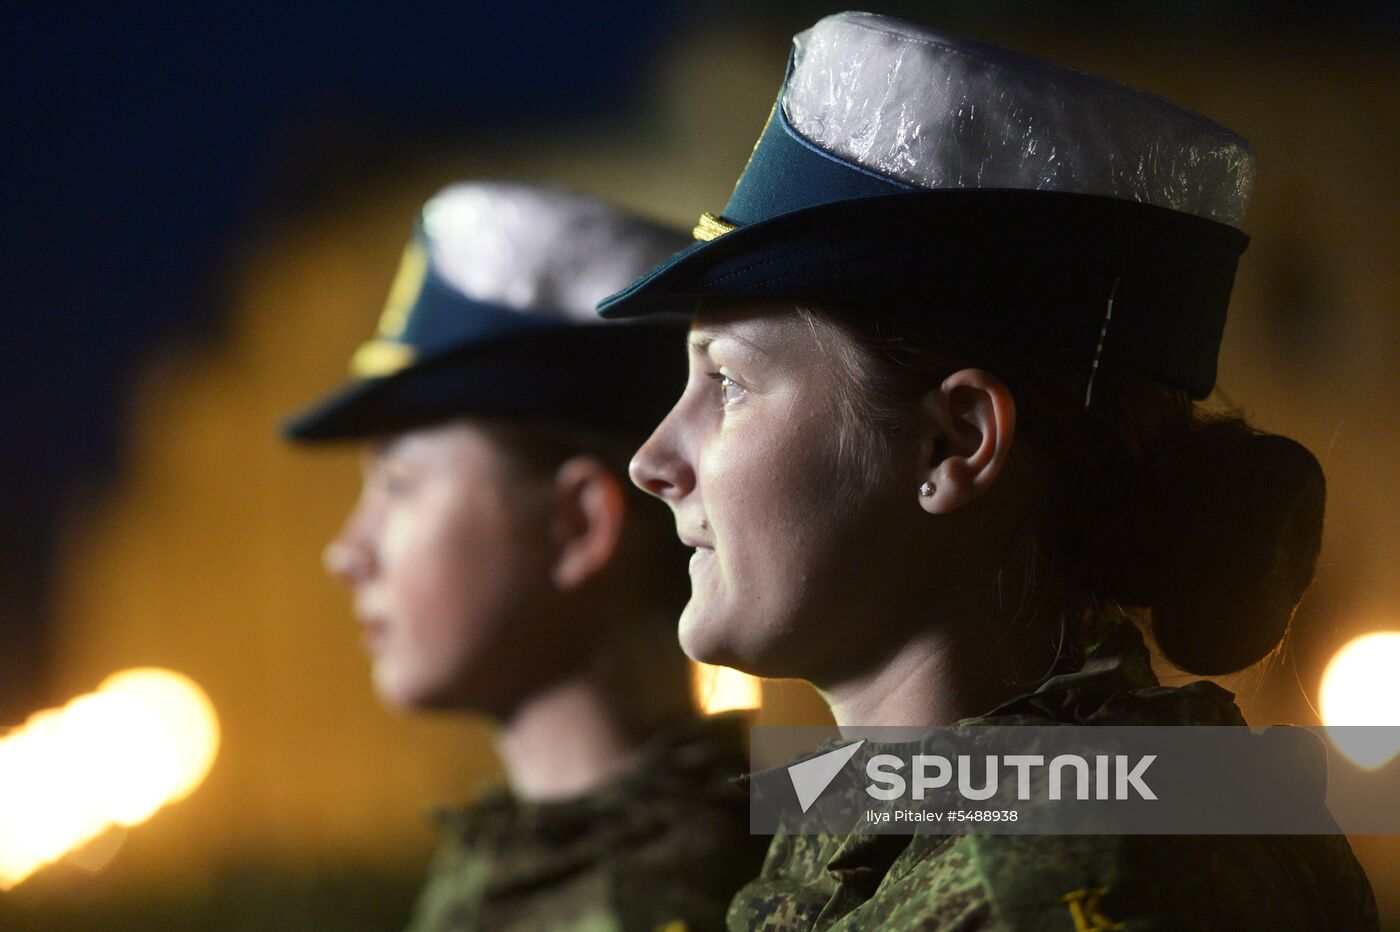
<point>726,385</point>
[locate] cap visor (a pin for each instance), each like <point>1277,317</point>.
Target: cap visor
<point>1030,268</point>
<point>622,378</point>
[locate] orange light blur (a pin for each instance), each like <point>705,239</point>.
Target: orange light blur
<point>721,689</point>
<point>1360,687</point>
<point>145,738</point>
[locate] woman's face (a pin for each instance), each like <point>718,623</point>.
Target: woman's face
<point>791,542</point>
<point>447,557</point>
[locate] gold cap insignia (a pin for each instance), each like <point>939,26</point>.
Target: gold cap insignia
<point>711,227</point>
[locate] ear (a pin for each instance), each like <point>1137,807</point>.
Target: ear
<point>969,425</point>
<point>589,513</point>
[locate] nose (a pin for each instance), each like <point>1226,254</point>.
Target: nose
<point>660,467</point>
<point>350,557</point>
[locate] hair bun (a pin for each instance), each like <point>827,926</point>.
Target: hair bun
<point>1229,525</point>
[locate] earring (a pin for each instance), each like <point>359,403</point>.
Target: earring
<point>926,489</point>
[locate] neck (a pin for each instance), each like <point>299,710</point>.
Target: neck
<point>931,681</point>
<point>582,731</point>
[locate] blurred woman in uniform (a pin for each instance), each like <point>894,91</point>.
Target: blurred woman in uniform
<point>501,565</point>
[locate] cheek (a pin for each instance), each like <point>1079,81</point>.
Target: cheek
<point>459,578</point>
<point>449,568</point>
<point>770,497</point>
<point>419,556</point>
<point>781,543</point>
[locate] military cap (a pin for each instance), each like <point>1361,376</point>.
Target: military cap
<point>492,313</point>
<point>1020,201</point>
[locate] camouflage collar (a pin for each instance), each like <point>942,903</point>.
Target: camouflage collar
<point>532,843</point>
<point>823,877</point>
<point>1115,685</point>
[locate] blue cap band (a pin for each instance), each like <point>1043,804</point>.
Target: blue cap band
<point>787,173</point>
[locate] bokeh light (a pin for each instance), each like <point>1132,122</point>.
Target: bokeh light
<point>185,712</point>
<point>144,739</point>
<point>1360,687</point>
<point>722,689</point>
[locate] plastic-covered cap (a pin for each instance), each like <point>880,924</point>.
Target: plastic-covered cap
<point>907,171</point>
<point>492,314</point>
<point>936,110</point>
<point>537,250</point>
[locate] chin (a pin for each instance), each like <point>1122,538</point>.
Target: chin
<point>468,692</point>
<point>390,690</point>
<point>730,639</point>
<point>404,693</point>
<point>703,638</point>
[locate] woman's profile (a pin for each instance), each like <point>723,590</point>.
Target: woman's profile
<point>942,454</point>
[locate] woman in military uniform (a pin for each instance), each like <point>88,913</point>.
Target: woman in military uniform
<point>501,566</point>
<point>941,455</point>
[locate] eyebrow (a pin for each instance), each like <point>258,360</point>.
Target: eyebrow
<point>699,345</point>
<point>381,447</point>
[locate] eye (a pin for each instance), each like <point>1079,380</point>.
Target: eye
<point>729,390</point>
<point>395,483</point>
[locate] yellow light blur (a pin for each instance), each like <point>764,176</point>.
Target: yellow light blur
<point>1360,687</point>
<point>146,738</point>
<point>721,689</point>
<point>41,814</point>
<point>186,714</point>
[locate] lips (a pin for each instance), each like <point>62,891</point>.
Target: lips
<point>702,555</point>
<point>374,635</point>
<point>694,541</point>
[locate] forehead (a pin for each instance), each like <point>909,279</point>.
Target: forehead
<point>761,330</point>
<point>777,338</point>
<point>457,441</point>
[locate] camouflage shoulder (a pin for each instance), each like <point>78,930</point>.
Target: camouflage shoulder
<point>792,888</point>
<point>452,891</point>
<point>684,878</point>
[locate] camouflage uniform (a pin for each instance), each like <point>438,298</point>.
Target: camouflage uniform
<point>1067,882</point>
<point>663,847</point>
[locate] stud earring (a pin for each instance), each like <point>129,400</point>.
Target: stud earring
<point>926,489</point>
